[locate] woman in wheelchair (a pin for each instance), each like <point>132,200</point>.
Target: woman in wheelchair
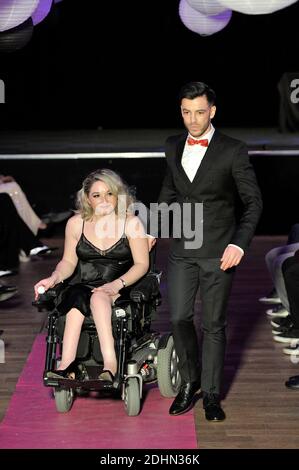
<point>105,252</point>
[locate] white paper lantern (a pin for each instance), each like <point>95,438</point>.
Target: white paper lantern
<point>16,38</point>
<point>42,10</point>
<point>202,24</point>
<point>207,7</point>
<point>15,12</point>
<point>256,7</point>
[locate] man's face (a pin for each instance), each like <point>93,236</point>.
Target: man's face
<point>197,115</point>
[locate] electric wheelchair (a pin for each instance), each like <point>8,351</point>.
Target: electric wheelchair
<point>143,355</point>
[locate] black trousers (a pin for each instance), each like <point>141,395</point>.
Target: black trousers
<point>185,276</point>
<point>14,234</point>
<point>290,270</point>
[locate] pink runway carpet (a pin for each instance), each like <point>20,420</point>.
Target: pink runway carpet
<point>32,422</point>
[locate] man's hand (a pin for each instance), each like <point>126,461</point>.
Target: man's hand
<point>231,257</point>
<point>151,242</point>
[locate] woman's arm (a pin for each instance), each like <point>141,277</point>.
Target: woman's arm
<point>140,251</point>
<point>67,265</point>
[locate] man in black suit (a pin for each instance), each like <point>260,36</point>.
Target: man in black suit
<point>206,167</point>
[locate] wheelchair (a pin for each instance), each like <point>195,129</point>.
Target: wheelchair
<point>143,355</point>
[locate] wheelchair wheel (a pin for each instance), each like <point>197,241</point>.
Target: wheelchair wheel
<point>63,399</point>
<point>168,375</point>
<point>132,397</point>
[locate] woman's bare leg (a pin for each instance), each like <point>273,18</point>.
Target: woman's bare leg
<point>72,330</point>
<point>100,304</point>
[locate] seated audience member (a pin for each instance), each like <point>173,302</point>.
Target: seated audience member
<point>15,236</point>
<point>288,331</point>
<point>274,260</point>
<point>9,186</point>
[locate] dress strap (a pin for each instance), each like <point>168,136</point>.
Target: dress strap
<point>124,230</point>
<point>83,227</point>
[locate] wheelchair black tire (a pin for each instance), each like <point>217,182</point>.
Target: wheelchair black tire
<point>169,380</point>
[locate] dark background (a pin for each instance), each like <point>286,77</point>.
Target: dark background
<point>120,65</point>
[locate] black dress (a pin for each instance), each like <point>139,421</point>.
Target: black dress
<point>95,267</point>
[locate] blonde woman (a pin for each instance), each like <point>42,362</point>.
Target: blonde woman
<point>106,251</point>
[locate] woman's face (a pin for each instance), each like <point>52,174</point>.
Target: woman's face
<point>101,199</point>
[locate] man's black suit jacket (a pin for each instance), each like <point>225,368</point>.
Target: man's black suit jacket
<point>224,178</point>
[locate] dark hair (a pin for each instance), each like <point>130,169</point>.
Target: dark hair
<point>194,89</point>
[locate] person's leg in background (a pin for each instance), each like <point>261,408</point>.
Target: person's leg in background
<point>22,206</point>
<point>290,270</point>
<point>14,235</point>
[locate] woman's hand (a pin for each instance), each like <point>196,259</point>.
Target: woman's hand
<point>111,288</point>
<point>46,284</point>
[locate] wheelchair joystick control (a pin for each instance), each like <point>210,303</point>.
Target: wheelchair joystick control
<point>41,290</point>
<point>132,368</point>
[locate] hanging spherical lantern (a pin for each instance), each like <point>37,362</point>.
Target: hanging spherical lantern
<point>16,38</point>
<point>15,12</point>
<point>207,7</point>
<point>42,10</point>
<point>202,24</point>
<point>256,7</point>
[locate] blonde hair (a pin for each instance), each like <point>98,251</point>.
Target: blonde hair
<point>115,184</point>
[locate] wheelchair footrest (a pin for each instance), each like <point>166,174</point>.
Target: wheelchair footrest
<point>88,382</point>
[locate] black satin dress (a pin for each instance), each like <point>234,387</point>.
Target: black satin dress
<point>95,267</point>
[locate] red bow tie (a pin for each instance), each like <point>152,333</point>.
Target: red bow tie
<point>203,142</point>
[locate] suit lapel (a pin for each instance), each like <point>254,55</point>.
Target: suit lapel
<point>178,158</point>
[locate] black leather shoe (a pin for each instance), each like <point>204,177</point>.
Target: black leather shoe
<point>184,400</point>
<point>106,375</point>
<point>293,382</point>
<point>213,410</point>
<point>70,372</point>
<point>6,292</point>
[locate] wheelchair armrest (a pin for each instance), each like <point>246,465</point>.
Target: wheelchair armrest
<point>146,288</point>
<point>46,300</point>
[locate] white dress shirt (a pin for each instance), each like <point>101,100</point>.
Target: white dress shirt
<point>192,158</point>
<point>193,154</point>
